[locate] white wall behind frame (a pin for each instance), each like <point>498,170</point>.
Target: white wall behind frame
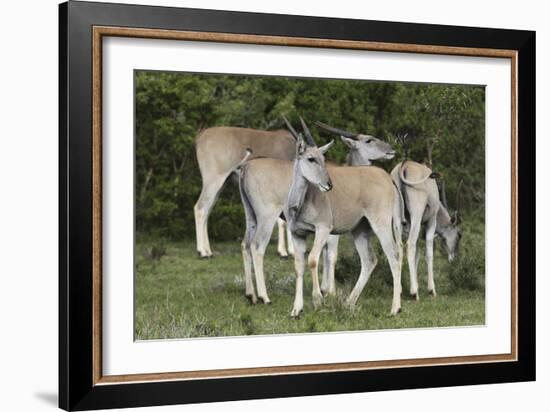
<point>28,164</point>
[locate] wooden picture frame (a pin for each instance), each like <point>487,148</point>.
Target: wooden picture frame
<point>81,382</point>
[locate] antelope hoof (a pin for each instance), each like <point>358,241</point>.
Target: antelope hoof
<point>350,305</point>
<point>317,301</point>
<point>283,257</point>
<point>395,312</point>
<point>295,314</point>
<point>433,293</point>
<point>252,299</point>
<point>328,292</point>
<point>415,296</point>
<point>265,300</point>
<point>203,255</point>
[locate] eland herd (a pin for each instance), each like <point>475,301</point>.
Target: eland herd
<point>284,180</point>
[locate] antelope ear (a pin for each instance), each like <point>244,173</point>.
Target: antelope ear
<point>300,145</point>
<point>324,148</point>
<point>352,144</point>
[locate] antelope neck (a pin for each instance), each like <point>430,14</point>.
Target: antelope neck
<point>355,160</point>
<point>443,218</point>
<point>297,194</point>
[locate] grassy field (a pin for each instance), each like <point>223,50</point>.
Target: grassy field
<point>181,296</point>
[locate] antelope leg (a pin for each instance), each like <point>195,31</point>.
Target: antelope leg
<point>324,259</point>
<point>257,246</point>
<point>321,236</point>
<point>329,265</point>
<point>289,243</point>
<point>411,254</point>
<point>362,240</point>
<point>430,234</point>
<point>281,247</point>
<point>299,263</point>
<point>206,239</point>
<point>391,250</point>
<point>247,261</point>
<point>207,198</point>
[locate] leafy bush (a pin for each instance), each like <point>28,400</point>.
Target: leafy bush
<point>466,272</point>
<point>348,268</point>
<point>206,329</point>
<point>247,324</point>
<point>227,221</point>
<point>172,108</point>
<point>156,250</point>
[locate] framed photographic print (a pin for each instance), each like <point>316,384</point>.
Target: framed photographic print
<point>257,205</point>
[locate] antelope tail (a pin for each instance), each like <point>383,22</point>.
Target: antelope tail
<point>239,165</point>
<point>398,220</point>
<point>410,182</point>
<point>401,202</point>
<point>250,214</point>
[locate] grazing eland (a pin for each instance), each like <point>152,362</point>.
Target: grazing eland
<point>425,207</point>
<point>264,207</point>
<point>219,151</point>
<point>362,201</point>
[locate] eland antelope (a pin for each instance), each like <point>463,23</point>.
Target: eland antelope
<point>422,200</point>
<point>364,201</point>
<point>219,150</point>
<point>262,207</point>
<point>363,150</point>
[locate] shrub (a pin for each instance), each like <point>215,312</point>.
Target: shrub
<point>247,324</point>
<point>206,329</point>
<point>227,221</point>
<point>348,268</point>
<point>311,325</point>
<point>466,272</point>
<point>156,250</point>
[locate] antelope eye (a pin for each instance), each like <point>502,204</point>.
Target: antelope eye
<point>311,159</point>
<point>368,140</point>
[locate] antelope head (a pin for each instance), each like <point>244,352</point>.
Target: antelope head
<point>310,159</point>
<point>450,234</point>
<point>405,140</point>
<point>364,148</point>
<point>450,231</point>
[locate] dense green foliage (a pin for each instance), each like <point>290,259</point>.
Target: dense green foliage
<point>447,123</point>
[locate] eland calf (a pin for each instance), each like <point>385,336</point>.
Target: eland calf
<point>358,200</point>
<point>422,200</point>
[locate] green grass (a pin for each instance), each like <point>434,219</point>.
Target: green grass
<point>180,296</point>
